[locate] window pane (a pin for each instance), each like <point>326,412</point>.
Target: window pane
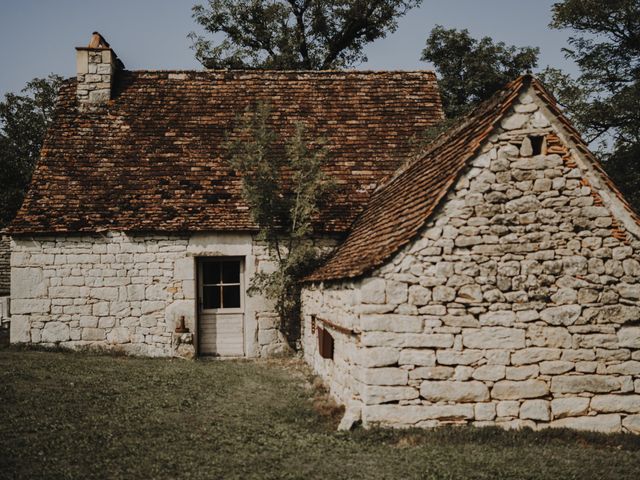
<point>211,297</point>
<point>231,296</point>
<point>230,272</point>
<point>211,272</point>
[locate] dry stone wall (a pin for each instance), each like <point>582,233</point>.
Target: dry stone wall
<point>127,293</point>
<point>519,304</point>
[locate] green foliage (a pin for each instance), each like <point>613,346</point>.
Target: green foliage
<point>292,34</point>
<point>604,100</point>
<point>24,120</point>
<point>471,70</point>
<point>283,187</point>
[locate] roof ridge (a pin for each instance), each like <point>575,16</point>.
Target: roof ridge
<point>305,72</point>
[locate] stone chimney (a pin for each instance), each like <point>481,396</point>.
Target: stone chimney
<point>96,65</point>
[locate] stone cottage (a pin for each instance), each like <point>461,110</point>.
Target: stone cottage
<point>495,280</point>
<point>134,235</point>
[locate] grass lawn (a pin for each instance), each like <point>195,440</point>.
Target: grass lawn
<point>67,415</point>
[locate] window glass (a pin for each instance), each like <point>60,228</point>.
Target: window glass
<point>221,284</point>
<point>211,296</point>
<point>231,296</point>
<point>211,273</point>
<point>230,272</point>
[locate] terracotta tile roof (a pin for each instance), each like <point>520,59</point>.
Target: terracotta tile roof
<point>151,159</point>
<point>400,208</point>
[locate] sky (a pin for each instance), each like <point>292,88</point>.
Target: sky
<point>38,37</point>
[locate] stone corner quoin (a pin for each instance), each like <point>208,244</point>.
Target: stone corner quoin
<point>518,305</point>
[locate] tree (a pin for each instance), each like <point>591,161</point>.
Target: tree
<point>283,188</point>
<point>24,120</point>
<point>604,100</point>
<point>471,70</point>
<point>293,34</point>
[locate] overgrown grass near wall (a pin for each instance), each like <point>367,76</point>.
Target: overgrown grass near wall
<point>66,415</point>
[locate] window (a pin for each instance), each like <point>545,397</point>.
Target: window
<point>221,284</point>
<point>538,145</point>
<point>325,343</point>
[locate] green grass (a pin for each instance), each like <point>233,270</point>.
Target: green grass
<point>65,415</point>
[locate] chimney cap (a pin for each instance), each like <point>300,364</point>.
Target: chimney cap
<point>98,41</point>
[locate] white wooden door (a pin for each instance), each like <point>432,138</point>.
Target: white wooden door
<point>221,306</point>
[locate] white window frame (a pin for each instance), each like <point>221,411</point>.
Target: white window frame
<point>201,284</point>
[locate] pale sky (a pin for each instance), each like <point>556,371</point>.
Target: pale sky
<point>37,37</point>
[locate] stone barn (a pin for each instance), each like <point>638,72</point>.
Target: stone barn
<point>134,235</point>
<point>494,280</point>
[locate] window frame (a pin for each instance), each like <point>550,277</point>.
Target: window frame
<point>201,284</point>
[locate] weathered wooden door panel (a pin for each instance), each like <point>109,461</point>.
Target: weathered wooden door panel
<point>221,307</point>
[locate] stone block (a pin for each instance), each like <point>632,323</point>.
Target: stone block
<point>569,406</point>
<point>443,294</point>
<point>585,383</point>
<point>372,395</point>
<point>119,335</point>
<point>563,315</point>
<point>508,408</point>
<point>505,318</point>
<point>184,269</point>
<point>136,293</point>
<point>105,293</point>
<point>631,367</point>
<point>453,357</point>
<point>517,390</point>
<point>600,423</point>
<point>415,340</point>
<point>373,291</point>
<point>419,295</point>
<point>535,410</point>
<point>534,355</point>
<point>431,373</point>
<point>493,337</point>
<point>458,392</point>
<point>391,323</point>
<point>515,121</point>
<point>30,306</point>
<point>555,367</point>
<point>551,337</point>
<point>27,283</point>
<point>616,403</point>
<point>266,337</point>
<point>381,376</point>
<point>629,337</point>
<point>422,357</point>
<point>522,373</point>
<point>20,329</point>
<point>632,423</point>
<point>378,356</point>
<point>491,373</point>
<point>397,292</point>
<point>54,332</point>
<point>412,414</point>
<point>485,411</point>
<point>93,334</point>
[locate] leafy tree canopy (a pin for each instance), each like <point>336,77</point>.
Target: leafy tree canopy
<point>284,188</point>
<point>471,70</point>
<point>292,34</point>
<point>24,120</point>
<point>604,100</point>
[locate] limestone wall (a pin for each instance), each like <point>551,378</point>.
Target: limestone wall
<point>5,274</point>
<point>126,292</point>
<point>519,305</point>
